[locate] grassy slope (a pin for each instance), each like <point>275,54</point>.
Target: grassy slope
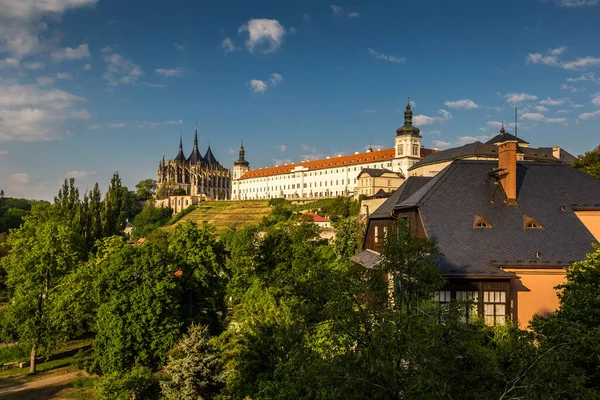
<point>224,215</point>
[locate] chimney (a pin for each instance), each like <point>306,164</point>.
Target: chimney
<point>507,161</point>
<point>556,152</point>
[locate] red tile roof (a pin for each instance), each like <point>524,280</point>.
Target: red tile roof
<point>342,161</point>
<point>317,218</point>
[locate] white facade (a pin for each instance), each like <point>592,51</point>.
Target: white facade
<point>331,177</point>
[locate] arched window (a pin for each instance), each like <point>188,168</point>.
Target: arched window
<point>480,222</point>
<point>400,149</point>
<point>415,149</point>
<point>530,223</point>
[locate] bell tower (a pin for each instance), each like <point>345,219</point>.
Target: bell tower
<point>240,166</point>
<point>407,143</point>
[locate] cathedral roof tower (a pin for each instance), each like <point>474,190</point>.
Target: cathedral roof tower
<point>209,158</point>
<point>195,157</point>
<point>408,128</point>
<point>180,157</point>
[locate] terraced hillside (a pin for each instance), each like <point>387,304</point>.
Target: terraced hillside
<point>227,214</point>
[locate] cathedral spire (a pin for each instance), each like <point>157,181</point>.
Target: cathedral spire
<point>180,156</point>
<point>195,157</point>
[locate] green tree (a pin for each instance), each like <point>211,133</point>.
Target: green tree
<point>200,258</point>
<point>348,237</point>
<point>150,219</point>
<point>137,293</point>
<point>96,209</point>
<point>114,208</point>
<point>589,163</point>
<point>194,367</point>
<point>67,201</point>
<point>145,189</point>
<point>569,339</point>
<point>42,252</point>
<point>139,383</point>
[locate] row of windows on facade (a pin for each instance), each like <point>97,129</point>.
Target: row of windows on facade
<point>291,186</point>
<point>295,195</point>
<point>494,304</point>
<point>305,174</point>
<point>415,149</point>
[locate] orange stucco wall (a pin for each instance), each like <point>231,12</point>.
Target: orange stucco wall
<point>533,292</point>
<point>591,220</point>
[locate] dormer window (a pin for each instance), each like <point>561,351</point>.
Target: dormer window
<point>480,223</point>
<point>530,223</point>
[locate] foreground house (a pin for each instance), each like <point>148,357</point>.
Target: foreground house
<point>505,229</point>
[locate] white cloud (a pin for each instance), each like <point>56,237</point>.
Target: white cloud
<point>106,49</point>
<point>34,66</point>
<point>462,140</point>
<point>174,122</point>
<point>577,3</point>
<point>30,113</point>
<point>537,58</point>
<point>68,53</point>
<point>282,148</point>
<point>441,144</point>
<point>46,80</point>
<point>20,179</point>
<point>258,86</point>
<point>180,48</point>
<point>423,120</point>
<point>495,124</point>
<point>392,59</point>
<point>577,105</point>
<point>264,35</point>
<point>22,25</point>
<point>446,115</point>
<point>92,127</point>
<point>589,114</point>
<point>587,76</point>
<point>563,111</point>
<point>582,62</point>
<point>148,124</point>
<point>553,102</point>
<point>519,97</point>
<point>465,103</point>
<point>120,70</point>
<point>339,11</point>
<point>368,111</point>
<point>558,51</point>
<point>170,72</point>
<point>87,67</point>
<point>555,120</point>
<point>3,152</point>
<point>533,116</point>
<point>541,108</point>
<point>434,132</point>
<point>228,46</point>
<point>596,99</point>
<point>156,85</point>
<point>275,78</point>
<point>79,174</point>
<point>117,125</point>
<point>282,161</point>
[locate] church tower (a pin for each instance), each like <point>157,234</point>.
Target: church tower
<point>407,143</point>
<point>240,166</point>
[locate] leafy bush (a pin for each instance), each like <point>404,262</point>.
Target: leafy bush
<point>139,383</point>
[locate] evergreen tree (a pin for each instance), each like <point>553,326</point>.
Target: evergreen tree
<point>96,208</point>
<point>67,201</point>
<point>114,207</point>
<point>194,367</point>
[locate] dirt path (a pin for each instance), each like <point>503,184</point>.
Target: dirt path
<point>42,387</point>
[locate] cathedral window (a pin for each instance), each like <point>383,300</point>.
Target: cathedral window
<point>415,149</point>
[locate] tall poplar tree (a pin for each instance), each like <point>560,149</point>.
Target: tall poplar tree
<point>114,207</point>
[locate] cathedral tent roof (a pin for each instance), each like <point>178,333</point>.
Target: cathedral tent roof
<point>195,157</point>
<point>210,158</point>
<point>180,156</point>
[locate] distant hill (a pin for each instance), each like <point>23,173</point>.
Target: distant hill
<point>224,215</point>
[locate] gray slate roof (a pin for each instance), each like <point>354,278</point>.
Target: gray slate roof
<point>410,186</point>
<point>367,258</point>
<point>448,202</point>
<point>377,172</point>
<point>503,137</point>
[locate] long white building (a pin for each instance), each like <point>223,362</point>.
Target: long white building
<point>330,177</point>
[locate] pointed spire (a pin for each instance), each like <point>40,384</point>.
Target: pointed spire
<point>408,127</point>
<point>180,141</point>
<point>195,157</point>
<point>408,114</point>
<point>180,156</point>
<point>502,131</point>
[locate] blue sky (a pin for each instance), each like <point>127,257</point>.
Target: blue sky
<point>88,87</point>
